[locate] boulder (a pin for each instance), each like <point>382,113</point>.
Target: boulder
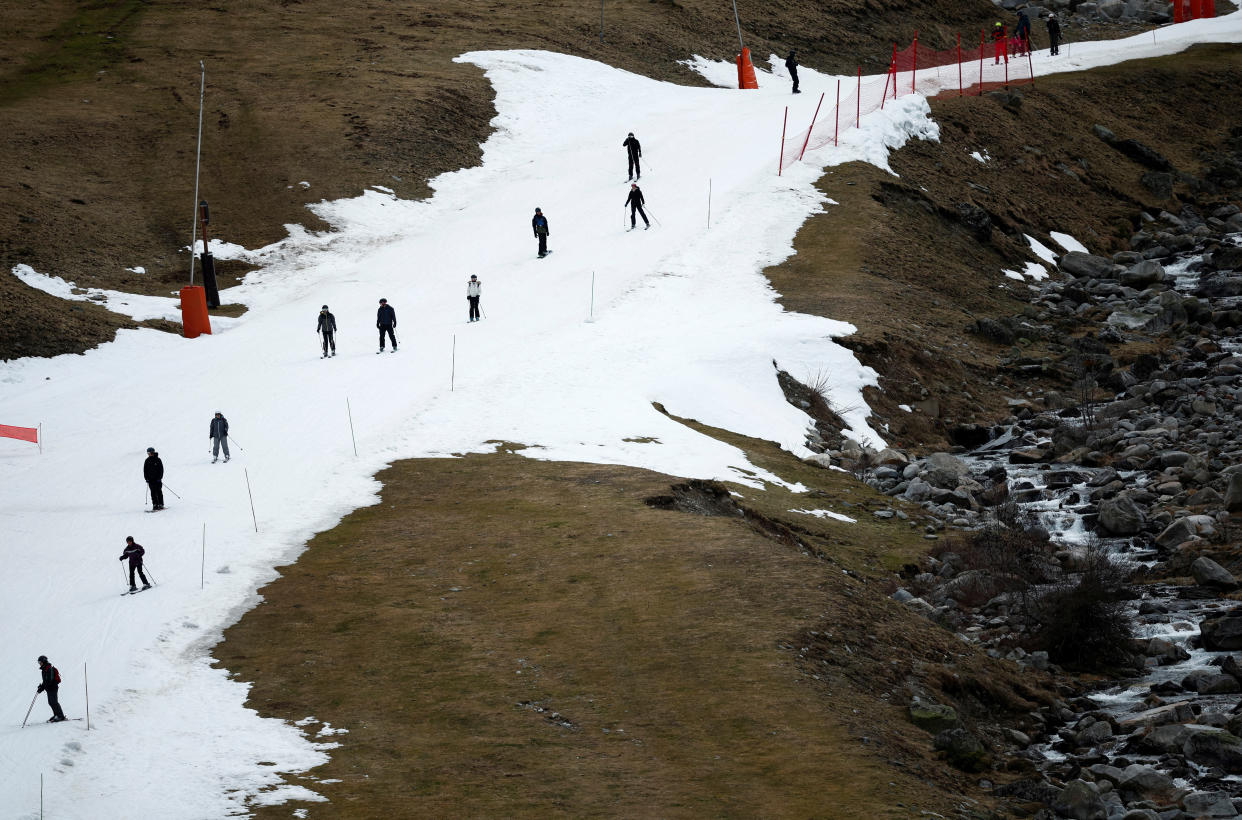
<point>1165,740</point>
<point>1080,800</point>
<point>1121,515</point>
<point>1095,734</point>
<point>1176,533</point>
<point>1232,665</point>
<point>1085,265</point>
<point>1205,805</point>
<point>1145,783</point>
<point>1233,494</point>
<point>933,717</point>
<point>891,457</point>
<point>962,749</point>
<point>1208,573</point>
<point>918,490</point>
<point>1223,634</point>
<point>1218,684</point>
<point>1143,274</point>
<point>944,470</point>
<point>1165,651</point>
<point>1160,716</point>
<point>1214,747</point>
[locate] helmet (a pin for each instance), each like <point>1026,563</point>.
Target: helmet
<point>150,449</point>
<point>325,307</point>
<point>43,659</point>
<point>383,301</point>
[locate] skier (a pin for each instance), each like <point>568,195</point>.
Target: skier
<point>153,472</point>
<point>474,289</point>
<point>539,224</point>
<point>218,432</point>
<point>1023,32</point>
<point>635,202</point>
<point>633,151</point>
<point>791,63</point>
<point>1054,34</point>
<point>386,320</point>
<point>134,552</point>
<point>51,684</point>
<point>327,326</point>
<point>998,37</point>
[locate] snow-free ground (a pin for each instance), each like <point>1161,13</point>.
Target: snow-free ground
<point>682,316</point>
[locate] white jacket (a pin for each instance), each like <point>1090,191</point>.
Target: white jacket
<point>474,288</point>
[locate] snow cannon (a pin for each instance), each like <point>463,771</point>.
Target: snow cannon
<point>194,318</point>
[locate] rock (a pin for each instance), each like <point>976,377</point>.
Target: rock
<point>1107,135</point>
<point>902,595</point>
<point>890,457</point>
<point>1160,716</point>
<point>819,460</point>
<point>1080,800</point>
<point>1121,515</point>
<point>1085,265</point>
<point>1165,651</point>
<point>918,490</point>
<point>1232,665</point>
<point>1140,814</point>
<point>1165,740</point>
<point>1176,533</point>
<point>973,587</point>
<point>1029,455</point>
<point>1145,783</point>
<point>976,220</point>
<point>943,470</point>
<point>1208,573</point>
<point>1019,739</point>
<point>933,717</point>
<point>1143,274</point>
<point>1141,153</point>
<point>1095,734</point>
<point>1219,684</point>
<point>1233,494</point>
<point>1160,183</point>
<point>962,749</point>
<point>1207,497</point>
<point>1214,747</point>
<point>1223,634</point>
<point>1203,805</point>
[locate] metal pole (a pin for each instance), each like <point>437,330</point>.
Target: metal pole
<point>32,700</point>
<point>87,684</point>
<point>709,202</point>
<point>249,493</point>
<point>453,366</point>
<point>198,161</point>
<point>592,296</point>
<point>351,425</point>
<point>914,64</point>
<point>601,21</point>
<point>780,160</point>
<point>858,109</point>
<point>836,116</point>
<point>202,567</point>
<point>40,438</point>
<point>892,74</point>
<point>959,64</point>
<point>981,50</point>
<point>740,44</point>
<point>812,128</point>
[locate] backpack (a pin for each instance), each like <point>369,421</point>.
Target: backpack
<point>56,672</point>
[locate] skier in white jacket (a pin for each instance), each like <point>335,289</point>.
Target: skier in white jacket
<point>474,290</point>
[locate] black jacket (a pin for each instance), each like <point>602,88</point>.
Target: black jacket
<point>631,145</point>
<point>153,468</point>
<point>635,198</point>
<point>539,224</point>
<point>134,553</point>
<point>326,322</point>
<point>1023,31</point>
<point>219,428</point>
<point>791,63</point>
<point>1054,28</point>
<point>386,317</point>
<point>49,677</point>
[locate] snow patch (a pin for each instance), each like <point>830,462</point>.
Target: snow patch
<point>1068,242</point>
<point>828,514</point>
<point>1041,250</point>
<point>983,158</point>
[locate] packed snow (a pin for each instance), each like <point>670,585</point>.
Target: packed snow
<point>682,314</point>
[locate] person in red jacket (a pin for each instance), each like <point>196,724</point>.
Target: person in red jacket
<point>999,38</point>
<point>51,685</point>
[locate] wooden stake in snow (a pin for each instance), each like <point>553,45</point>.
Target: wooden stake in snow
<point>202,567</point>
<point>40,438</point>
<point>591,315</point>
<point>709,202</point>
<point>249,493</point>
<point>87,684</point>
<point>453,365</point>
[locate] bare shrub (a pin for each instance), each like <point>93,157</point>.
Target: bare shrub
<point>1081,620</point>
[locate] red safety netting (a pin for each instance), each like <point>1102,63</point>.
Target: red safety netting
<point>1184,10</point>
<point>964,69</point>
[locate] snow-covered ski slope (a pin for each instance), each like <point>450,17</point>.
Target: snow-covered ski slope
<point>682,316</point>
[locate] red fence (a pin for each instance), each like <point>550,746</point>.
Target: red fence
<point>966,68</point>
<point>1184,10</point>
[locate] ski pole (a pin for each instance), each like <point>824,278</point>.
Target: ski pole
<point>32,700</point>
<point>147,567</point>
<point>171,490</point>
<point>239,447</point>
<point>653,216</point>
<point>124,576</point>
<point>146,494</point>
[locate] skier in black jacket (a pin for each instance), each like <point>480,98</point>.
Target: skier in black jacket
<point>1023,33</point>
<point>386,320</point>
<point>218,432</point>
<point>635,202</point>
<point>791,63</point>
<point>633,151</point>
<point>153,472</point>
<point>1054,34</point>
<point>327,326</point>
<point>51,685</point>
<point>539,224</point>
<point>134,552</point>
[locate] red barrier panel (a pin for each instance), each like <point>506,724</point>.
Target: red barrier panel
<point>194,318</point>
<point>746,71</point>
<point>30,434</point>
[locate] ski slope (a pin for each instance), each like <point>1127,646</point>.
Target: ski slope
<point>682,316</point>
